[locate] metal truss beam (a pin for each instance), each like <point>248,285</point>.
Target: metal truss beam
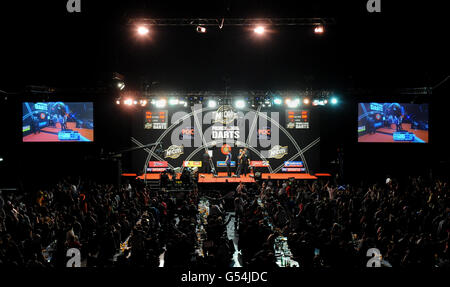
<point>220,22</point>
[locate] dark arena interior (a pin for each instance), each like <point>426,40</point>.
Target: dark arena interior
<point>210,135</point>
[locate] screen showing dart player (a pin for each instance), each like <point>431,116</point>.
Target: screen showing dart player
<point>393,122</point>
<point>58,122</point>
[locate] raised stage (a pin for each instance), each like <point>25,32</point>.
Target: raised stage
<point>223,178</point>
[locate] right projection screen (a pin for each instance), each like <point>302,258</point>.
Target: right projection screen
<point>393,123</point>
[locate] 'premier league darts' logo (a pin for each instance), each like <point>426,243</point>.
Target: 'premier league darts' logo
<point>174,151</point>
<point>278,152</point>
<point>225,115</point>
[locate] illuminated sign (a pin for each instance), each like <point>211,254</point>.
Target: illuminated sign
<point>293,164</point>
<point>25,128</point>
<point>192,163</point>
<point>361,129</point>
<point>224,164</point>
<point>158,164</point>
<point>259,163</point>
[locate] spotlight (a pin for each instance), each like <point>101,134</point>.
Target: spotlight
<point>161,103</point>
<point>173,101</point>
<point>259,30</point>
<point>201,29</point>
<point>334,100</point>
<point>118,102</point>
<point>319,29</point>
<point>293,103</point>
<point>1,159</point>
<point>142,30</point>
<point>212,104</point>
<point>319,102</point>
<point>306,101</point>
<point>128,102</point>
<point>121,85</point>
<point>143,102</point>
<point>135,102</point>
<point>277,101</point>
<point>240,104</point>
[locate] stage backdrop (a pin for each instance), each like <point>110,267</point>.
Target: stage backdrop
<point>278,139</point>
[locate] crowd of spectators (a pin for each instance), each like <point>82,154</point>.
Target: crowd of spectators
<point>327,225</point>
<point>332,226</point>
<point>96,219</point>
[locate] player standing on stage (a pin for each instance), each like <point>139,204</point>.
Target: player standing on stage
<point>245,161</point>
<point>205,163</point>
<point>228,162</point>
<point>239,167</point>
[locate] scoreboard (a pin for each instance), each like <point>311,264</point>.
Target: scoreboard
<point>156,120</point>
<point>297,119</point>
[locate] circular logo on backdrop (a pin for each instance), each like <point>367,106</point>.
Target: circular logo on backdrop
<point>225,115</point>
<point>42,116</point>
<point>226,149</point>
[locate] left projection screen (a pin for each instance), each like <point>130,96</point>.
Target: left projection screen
<point>57,122</point>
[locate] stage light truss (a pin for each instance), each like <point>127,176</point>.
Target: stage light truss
<point>221,22</point>
<point>214,98</point>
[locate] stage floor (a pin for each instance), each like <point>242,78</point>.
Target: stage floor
<point>223,178</point>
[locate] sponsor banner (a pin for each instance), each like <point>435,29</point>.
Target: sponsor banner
<point>264,133</point>
<point>291,169</point>
<point>259,163</point>
<point>158,164</point>
<point>224,164</point>
<point>225,132</point>
<point>192,163</point>
<point>156,169</point>
<point>174,151</point>
<point>297,119</point>
<point>156,120</point>
<point>187,133</point>
<point>225,115</point>
<point>293,164</point>
<point>278,152</point>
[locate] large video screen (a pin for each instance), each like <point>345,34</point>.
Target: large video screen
<point>393,122</point>
<point>58,122</point>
